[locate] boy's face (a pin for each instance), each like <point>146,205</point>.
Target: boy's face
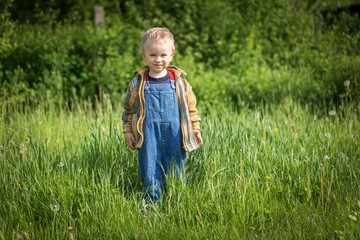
<point>158,55</point>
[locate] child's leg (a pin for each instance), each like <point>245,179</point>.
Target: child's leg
<point>150,165</point>
<point>174,155</point>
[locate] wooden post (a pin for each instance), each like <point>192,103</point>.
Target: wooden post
<point>99,22</point>
<point>99,16</point>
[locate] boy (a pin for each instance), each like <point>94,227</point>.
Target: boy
<point>160,118</point>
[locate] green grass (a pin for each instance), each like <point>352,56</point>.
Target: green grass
<point>280,172</point>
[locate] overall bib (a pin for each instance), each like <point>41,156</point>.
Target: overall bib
<point>161,152</point>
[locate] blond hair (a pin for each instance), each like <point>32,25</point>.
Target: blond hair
<point>157,34</point>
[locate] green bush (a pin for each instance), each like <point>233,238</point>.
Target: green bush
<point>69,61</point>
<point>246,53</point>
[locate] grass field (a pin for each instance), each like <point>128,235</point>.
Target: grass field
<point>278,172</point>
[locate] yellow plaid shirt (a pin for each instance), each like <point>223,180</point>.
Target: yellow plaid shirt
<point>134,112</point>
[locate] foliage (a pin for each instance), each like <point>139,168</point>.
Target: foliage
<point>247,53</point>
<point>79,66</point>
<point>283,164</point>
<point>276,172</point>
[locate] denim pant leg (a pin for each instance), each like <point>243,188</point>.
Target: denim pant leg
<point>151,171</point>
<point>173,155</point>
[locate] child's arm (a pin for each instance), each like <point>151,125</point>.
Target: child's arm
<point>198,137</point>
<point>191,102</point>
<point>127,118</point>
<point>194,114</point>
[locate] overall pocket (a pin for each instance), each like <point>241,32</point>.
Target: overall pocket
<point>161,101</point>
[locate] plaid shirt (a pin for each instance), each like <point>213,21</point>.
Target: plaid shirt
<point>134,111</point>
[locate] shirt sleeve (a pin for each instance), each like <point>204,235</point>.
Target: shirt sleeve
<point>191,102</point>
<point>127,112</point>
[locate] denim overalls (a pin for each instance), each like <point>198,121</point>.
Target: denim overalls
<point>162,150</point>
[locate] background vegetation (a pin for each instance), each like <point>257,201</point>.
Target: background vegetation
<point>244,52</point>
<point>278,89</point>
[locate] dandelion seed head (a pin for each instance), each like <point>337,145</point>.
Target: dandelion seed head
<point>332,113</point>
<point>347,83</point>
<point>22,235</point>
<point>327,135</point>
<point>22,148</point>
<point>55,207</point>
<point>326,157</point>
<point>61,164</point>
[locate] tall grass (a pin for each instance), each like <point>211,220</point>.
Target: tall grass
<point>277,172</point>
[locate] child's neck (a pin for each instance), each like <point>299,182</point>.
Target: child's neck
<point>158,75</point>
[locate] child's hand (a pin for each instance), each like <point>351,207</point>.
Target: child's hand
<point>198,137</point>
<point>130,140</point>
